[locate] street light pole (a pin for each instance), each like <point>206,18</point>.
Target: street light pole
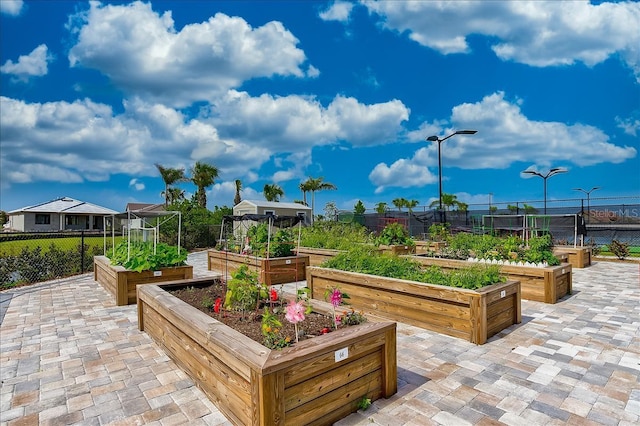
<point>588,199</point>
<point>554,171</point>
<point>437,139</point>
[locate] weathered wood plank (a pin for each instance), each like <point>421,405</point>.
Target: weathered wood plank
<point>532,279</point>
<point>461,313</point>
<point>271,271</point>
<point>324,405</point>
<point>310,389</point>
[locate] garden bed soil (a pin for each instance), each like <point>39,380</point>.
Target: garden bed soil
<point>202,298</point>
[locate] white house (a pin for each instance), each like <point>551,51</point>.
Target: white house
<point>58,215</point>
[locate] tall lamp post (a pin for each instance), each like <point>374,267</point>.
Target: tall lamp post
<point>588,199</point>
<point>554,171</point>
<point>437,139</point>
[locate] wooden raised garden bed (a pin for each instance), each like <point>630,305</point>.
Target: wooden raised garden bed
<point>317,256</point>
<point>316,381</point>
<point>474,315</point>
<point>579,257</point>
<point>397,249</point>
<point>546,285</point>
<point>277,270</point>
<point>427,246</point>
<point>122,282</point>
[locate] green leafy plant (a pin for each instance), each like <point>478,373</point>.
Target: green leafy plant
<point>141,256</point>
<point>620,249</point>
<point>281,244</point>
<point>271,330</point>
<point>368,262</point>
<point>394,234</point>
<point>364,403</point>
<point>439,232</point>
<point>334,235</point>
<point>244,291</point>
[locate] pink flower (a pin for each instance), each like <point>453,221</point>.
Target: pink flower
<point>295,312</point>
<point>336,297</point>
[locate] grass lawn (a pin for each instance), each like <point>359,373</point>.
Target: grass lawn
<point>8,248</point>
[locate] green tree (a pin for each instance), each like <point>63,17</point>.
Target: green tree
<point>4,217</point>
<point>305,187</point>
<point>272,192</point>
<point>463,207</point>
<point>448,201</point>
<point>170,177</point>
<point>237,198</point>
<point>493,209</point>
<point>174,194</point>
<point>331,211</point>
<point>359,207</point>
<point>381,208</point>
<point>314,185</point>
<point>512,209</point>
<point>400,203</point>
<point>203,175</point>
<point>530,209</point>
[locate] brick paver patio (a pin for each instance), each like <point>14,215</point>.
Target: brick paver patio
<point>68,355</point>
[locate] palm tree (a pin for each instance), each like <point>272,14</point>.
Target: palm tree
<point>381,207</point>
<point>203,175</point>
<point>448,201</point>
<point>237,198</point>
<point>313,185</point>
<point>305,187</point>
<point>173,194</point>
<point>170,176</point>
<point>400,203</point>
<point>272,192</point>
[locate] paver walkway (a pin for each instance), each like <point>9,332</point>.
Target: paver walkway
<point>68,355</point>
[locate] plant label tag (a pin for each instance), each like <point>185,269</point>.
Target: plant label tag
<point>342,354</point>
<point>288,261</point>
<point>157,273</point>
<point>503,293</point>
<point>563,270</point>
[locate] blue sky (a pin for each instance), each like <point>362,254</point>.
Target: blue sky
<point>94,94</point>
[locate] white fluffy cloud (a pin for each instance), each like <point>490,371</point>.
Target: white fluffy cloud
<point>296,123</point>
<point>338,11</point>
<point>35,64</point>
<point>11,7</point>
<point>537,33</point>
<point>136,184</point>
<point>143,53</point>
<point>88,141</point>
<point>505,136</point>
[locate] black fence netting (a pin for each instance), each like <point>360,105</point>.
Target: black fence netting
<point>596,225</point>
<point>34,257</point>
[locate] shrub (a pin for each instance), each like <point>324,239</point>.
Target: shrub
<point>334,235</point>
<point>395,234</point>
<point>620,249</point>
